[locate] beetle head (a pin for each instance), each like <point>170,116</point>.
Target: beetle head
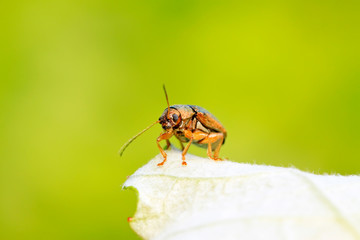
<point>171,118</point>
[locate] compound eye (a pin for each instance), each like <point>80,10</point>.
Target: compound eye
<point>175,117</point>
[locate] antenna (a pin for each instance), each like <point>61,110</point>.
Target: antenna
<point>122,149</point>
<point>167,100</point>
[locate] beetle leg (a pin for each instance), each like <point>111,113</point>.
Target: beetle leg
<point>163,136</point>
<point>209,150</point>
<point>217,149</point>
<point>185,151</point>
<point>214,137</point>
<point>195,135</point>
<point>168,144</point>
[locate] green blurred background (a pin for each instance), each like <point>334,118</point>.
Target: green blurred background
<point>79,78</point>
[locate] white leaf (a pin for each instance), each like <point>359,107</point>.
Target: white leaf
<point>226,200</point>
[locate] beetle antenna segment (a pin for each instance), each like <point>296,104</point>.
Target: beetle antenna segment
<point>122,149</point>
<point>167,100</point>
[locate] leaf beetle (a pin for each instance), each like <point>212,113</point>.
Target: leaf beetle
<point>189,124</point>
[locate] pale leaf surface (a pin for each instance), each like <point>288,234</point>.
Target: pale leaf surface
<point>226,200</point>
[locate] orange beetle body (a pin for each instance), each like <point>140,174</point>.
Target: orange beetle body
<point>189,124</point>
<point>192,124</point>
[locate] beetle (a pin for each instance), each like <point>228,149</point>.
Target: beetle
<point>189,124</point>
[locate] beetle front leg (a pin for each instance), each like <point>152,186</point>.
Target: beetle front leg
<point>164,136</point>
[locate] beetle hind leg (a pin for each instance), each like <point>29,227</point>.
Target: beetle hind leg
<point>212,138</point>
<point>217,150</point>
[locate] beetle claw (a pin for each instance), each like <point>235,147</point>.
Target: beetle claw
<point>162,163</point>
<point>216,159</point>
<point>184,163</point>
